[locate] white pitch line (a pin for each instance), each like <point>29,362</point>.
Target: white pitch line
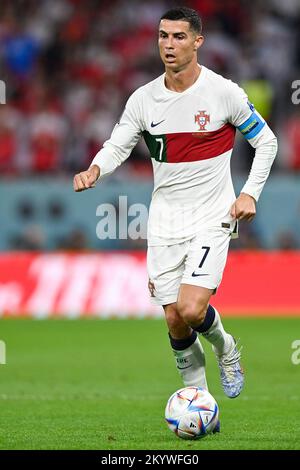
<point>79,396</point>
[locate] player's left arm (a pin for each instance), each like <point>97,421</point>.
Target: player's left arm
<point>254,128</point>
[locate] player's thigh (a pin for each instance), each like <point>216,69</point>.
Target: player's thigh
<point>165,269</point>
<point>193,302</point>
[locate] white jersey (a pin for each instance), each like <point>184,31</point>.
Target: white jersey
<point>190,136</point>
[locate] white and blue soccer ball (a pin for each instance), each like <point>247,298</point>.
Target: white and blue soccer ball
<point>192,413</point>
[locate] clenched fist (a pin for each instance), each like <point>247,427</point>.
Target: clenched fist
<point>86,179</point>
<point>244,207</point>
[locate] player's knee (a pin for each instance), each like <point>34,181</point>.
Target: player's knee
<point>192,312</point>
<point>177,327</point>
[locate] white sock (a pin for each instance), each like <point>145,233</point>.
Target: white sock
<point>222,342</point>
<point>190,363</point>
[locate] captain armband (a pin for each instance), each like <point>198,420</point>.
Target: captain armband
<point>252,126</point>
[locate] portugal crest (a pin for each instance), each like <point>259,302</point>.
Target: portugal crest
<point>202,119</point>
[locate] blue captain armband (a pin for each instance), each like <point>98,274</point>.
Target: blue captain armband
<point>252,126</point>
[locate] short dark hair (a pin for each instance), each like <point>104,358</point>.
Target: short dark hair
<point>185,14</point>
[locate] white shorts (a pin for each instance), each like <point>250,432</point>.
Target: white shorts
<point>199,262</point>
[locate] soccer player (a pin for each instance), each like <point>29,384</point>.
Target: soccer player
<point>188,117</point>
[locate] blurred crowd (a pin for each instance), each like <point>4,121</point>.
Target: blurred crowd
<point>70,65</point>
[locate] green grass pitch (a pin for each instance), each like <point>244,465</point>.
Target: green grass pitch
<point>104,384</point>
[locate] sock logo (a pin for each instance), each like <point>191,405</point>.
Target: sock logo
<point>184,362</point>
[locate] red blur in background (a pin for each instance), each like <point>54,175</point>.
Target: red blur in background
<point>115,285</point>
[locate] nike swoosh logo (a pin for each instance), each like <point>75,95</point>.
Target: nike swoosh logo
<point>196,275</point>
<point>156,123</point>
<point>182,368</point>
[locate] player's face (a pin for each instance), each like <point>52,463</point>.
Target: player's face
<point>178,44</point>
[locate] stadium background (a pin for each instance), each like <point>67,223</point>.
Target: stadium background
<point>68,67</point>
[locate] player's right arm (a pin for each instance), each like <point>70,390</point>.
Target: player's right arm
<point>117,149</point>
<point>86,179</point>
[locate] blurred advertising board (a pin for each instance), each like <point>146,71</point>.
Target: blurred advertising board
<point>115,284</point>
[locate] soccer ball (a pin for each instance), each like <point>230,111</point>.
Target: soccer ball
<point>192,413</point>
